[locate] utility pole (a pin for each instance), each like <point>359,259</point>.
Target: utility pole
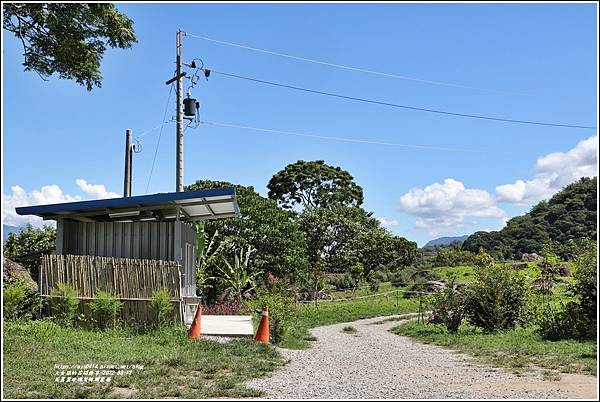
<point>128,162</point>
<point>179,162</point>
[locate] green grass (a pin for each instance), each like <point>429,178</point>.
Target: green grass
<point>327,313</point>
<point>519,349</point>
<point>174,366</point>
<point>349,330</point>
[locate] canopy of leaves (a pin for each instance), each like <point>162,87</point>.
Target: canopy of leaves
<point>314,184</point>
<point>30,240</point>
<point>68,38</point>
<point>569,215</point>
<point>270,230</point>
<point>344,237</point>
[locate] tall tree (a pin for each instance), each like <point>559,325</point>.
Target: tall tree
<point>314,184</point>
<point>270,230</point>
<point>30,240</point>
<point>68,38</point>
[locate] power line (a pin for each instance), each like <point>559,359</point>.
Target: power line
<point>472,116</point>
<point>309,135</point>
<point>341,66</point>
<point>159,135</point>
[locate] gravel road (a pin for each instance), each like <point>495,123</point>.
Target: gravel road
<point>374,363</point>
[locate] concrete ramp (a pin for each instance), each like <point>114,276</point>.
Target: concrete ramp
<point>225,325</point>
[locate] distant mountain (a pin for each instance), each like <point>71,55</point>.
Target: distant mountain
<point>569,215</point>
<point>6,230</point>
<point>444,241</point>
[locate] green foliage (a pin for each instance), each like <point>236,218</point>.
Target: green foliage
<point>576,319</point>
<point>64,303</point>
<point>282,312</point>
<point>13,297</point>
<point>29,240</point>
<point>239,276</point>
<point>314,184</point>
<point>452,257</point>
<point>208,257</point>
<point>105,309</point>
<point>496,300</point>
<point>68,39</point>
<point>585,288</point>
<point>569,215</point>
<point>279,244</point>
<point>345,236</point>
<point>562,322</point>
<point>448,307</point>
<point>162,307</point>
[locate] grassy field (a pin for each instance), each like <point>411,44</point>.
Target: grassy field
<point>519,349</point>
<point>173,365</point>
<point>326,313</point>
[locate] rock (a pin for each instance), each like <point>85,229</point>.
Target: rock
<point>530,257</point>
<point>460,286</point>
<point>434,286</point>
<point>425,274</point>
<point>564,270</point>
<point>13,272</point>
<point>543,285</point>
<point>519,266</point>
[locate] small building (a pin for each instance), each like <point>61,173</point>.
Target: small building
<point>147,227</point>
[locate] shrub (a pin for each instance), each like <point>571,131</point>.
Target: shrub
<point>64,303</point>
<point>226,309</point>
<point>576,319</point>
<point>13,297</point>
<point>585,289</point>
<point>162,308</point>
<point>565,322</point>
<point>496,299</point>
<point>448,307</point>
<point>281,312</point>
<point>105,309</point>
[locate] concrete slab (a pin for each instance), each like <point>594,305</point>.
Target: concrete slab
<point>225,325</point>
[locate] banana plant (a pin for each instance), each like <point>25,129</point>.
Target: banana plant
<point>239,276</point>
<point>208,252</point>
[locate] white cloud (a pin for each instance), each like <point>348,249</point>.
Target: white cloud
<point>96,190</point>
<point>442,207</point>
<point>388,222</point>
<point>552,173</point>
<point>51,194</point>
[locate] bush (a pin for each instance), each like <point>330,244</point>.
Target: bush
<point>226,309</point>
<point>496,299</point>
<point>448,308</point>
<point>162,308</point>
<point>64,303</point>
<point>564,322</point>
<point>13,297</point>
<point>105,309</point>
<point>281,312</point>
<point>576,319</point>
<point>585,289</point>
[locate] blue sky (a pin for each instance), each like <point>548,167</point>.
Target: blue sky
<point>530,61</point>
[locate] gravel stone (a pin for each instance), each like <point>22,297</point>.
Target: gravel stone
<point>374,363</point>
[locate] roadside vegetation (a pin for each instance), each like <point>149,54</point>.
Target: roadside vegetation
<point>315,257</point>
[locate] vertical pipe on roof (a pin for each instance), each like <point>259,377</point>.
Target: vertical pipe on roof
<point>128,161</point>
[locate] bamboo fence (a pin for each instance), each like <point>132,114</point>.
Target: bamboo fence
<point>130,280</point>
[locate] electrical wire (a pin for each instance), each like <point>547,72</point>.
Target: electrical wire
<point>395,105</point>
<point>267,130</point>
<point>341,66</point>
<point>159,136</point>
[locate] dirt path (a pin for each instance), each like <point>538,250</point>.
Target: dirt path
<point>374,363</point>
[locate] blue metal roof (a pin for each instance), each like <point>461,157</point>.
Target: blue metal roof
<point>193,205</point>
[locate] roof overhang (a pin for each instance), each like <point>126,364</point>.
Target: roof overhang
<point>189,205</point>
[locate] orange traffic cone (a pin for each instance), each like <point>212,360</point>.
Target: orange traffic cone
<point>194,331</point>
<point>262,334</point>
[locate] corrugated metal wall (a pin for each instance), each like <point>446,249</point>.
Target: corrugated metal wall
<point>139,240</point>
<point>149,240</point>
